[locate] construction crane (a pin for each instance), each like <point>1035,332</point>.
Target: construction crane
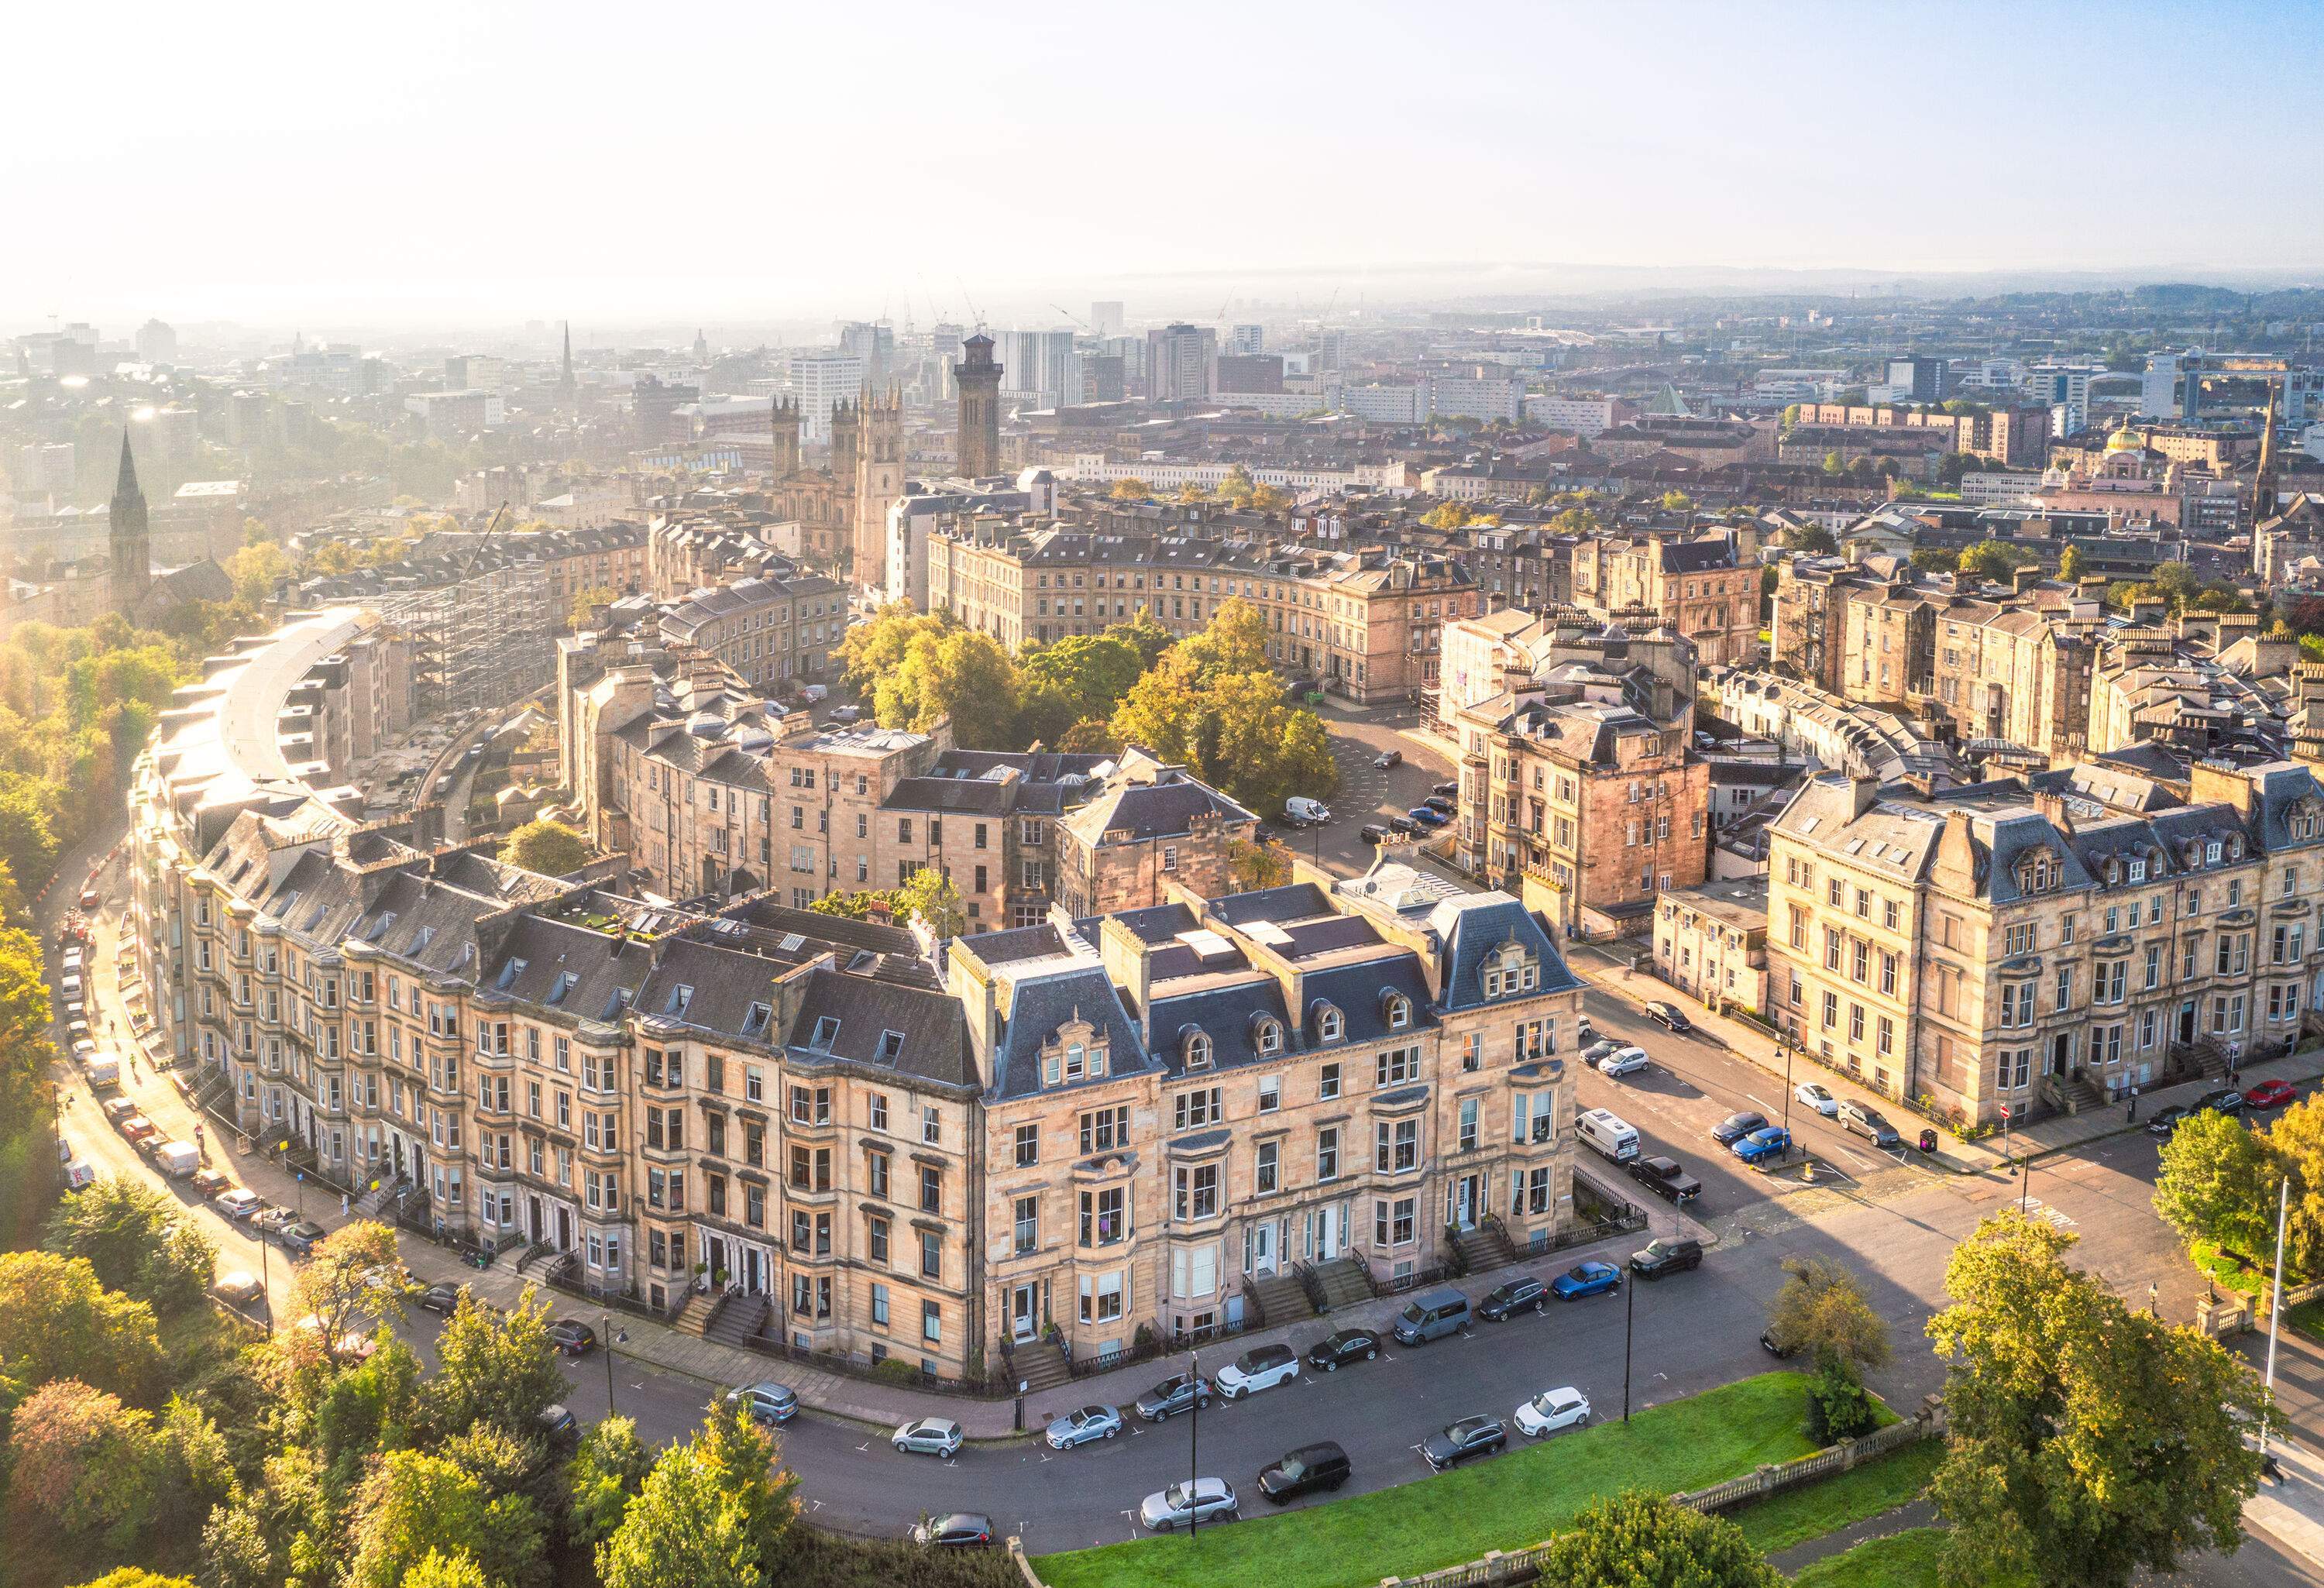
<point>478,550</point>
<point>1070,315</point>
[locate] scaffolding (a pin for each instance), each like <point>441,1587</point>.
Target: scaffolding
<point>479,641</point>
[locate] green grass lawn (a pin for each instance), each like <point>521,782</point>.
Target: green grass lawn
<point>1901,1560</point>
<point>2307,1319</point>
<point>1507,1502</point>
<point>2231,1272</point>
<point>1813,1510</point>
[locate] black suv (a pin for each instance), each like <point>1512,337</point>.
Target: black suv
<point>1348,1345</point>
<point>1665,1177</point>
<point>1311,1467</point>
<point>1666,1257</point>
<point>1513,1296</point>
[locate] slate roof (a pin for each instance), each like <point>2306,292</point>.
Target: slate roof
<point>1042,1003</point>
<point>932,1024</point>
<point>1470,926</point>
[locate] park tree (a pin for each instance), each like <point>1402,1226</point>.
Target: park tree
<point>139,1577</point>
<point>139,1240</point>
<point>550,848</point>
<point>875,647</point>
<point>58,1322</point>
<point>1677,502</point>
<point>1446,515</point>
<point>587,604</point>
<point>334,1289</point>
<point>1993,559</point>
<point>378,1404</point>
<point>1079,677</point>
<point>928,895</point>
<point>1822,1310</point>
<point>711,1513</point>
<point>2072,564</point>
<point>2089,1444</point>
<point>957,674</point>
<point>1935,560</point>
<point>412,1504</point>
<point>84,1466</point>
<point>439,1570</point>
<point>1639,1540</point>
<point>1131,490</point>
<point>604,1476</point>
<point>494,1367</point>
<point>1256,865</point>
<point>1812,538</point>
<point>2296,1142</point>
<point>2217,1182</point>
<point>1141,631</point>
<point>1232,730</point>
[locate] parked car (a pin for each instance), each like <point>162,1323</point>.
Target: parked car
<point>1403,825</point>
<point>118,1109</point>
<point>1735,1126</point>
<point>2167,1119</point>
<point>573,1337</point>
<point>2224,1099</point>
<point>2270,1094</point>
<point>1449,789</point>
<point>1262,1367</point>
<point>1463,1441</point>
<point>766,1402</point>
<point>270,1219</point>
<point>1588,1030</point>
<point>1604,1048</point>
<point>1442,805</point>
<point>1778,1349</point>
<point>300,1235</point>
<point>136,1127</point>
<point>237,1203</point>
<point>559,1424</point>
<point>961,1529</point>
<point>1623,1061</point>
<point>1817,1096</point>
<point>441,1298</point>
<point>88,899</point>
<point>1346,1345</point>
<point>1305,1471</point>
<point>1388,758</point>
<point>1373,833</point>
<point>1668,1016</point>
<point>1666,1255</point>
<point>150,1143</point>
<point>1428,817</point>
<point>1432,1315</point>
<point>1178,1392</point>
<point>1605,1132</point>
<point>1081,1425</point>
<point>1551,1411</point>
<point>846,714</point>
<point>1587,1278</point>
<point>1512,1296</point>
<point>211,1182</point>
<point>1861,1118</point>
<point>929,1436</point>
<point>1300,811</point>
<point>1665,1177</point>
<point>1208,1498</point>
<point>239,1288</point>
<point>1767,1141</point>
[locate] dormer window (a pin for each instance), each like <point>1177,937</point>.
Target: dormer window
<point>1399,1012</point>
<point>1270,1039</point>
<point>2211,852</point>
<point>1076,1061</point>
<point>1328,1025</point>
<point>2138,871</point>
<point>680,996</point>
<point>754,1023</point>
<point>891,1047</point>
<point>826,1032</point>
<point>1198,1051</point>
<point>1076,1051</point>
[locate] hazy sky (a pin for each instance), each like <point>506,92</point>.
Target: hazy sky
<point>468,164</point>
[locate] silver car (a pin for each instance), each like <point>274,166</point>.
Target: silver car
<point>767,1401</point>
<point>929,1436</point>
<point>1084,1424</point>
<point>1208,1498</point>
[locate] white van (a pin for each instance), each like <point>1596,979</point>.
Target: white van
<point>1607,1133</point>
<point>79,1173</point>
<point>103,1070</point>
<point>1300,808</point>
<point>178,1159</point>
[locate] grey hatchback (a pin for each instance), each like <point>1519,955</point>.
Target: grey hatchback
<point>1471,1436</point>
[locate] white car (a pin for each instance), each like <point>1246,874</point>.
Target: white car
<point>929,1436</point>
<point>1261,1367</point>
<point>1623,1061</point>
<point>237,1203</point>
<point>1552,1409</point>
<point>1816,1097</point>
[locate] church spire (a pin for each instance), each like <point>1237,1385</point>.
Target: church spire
<point>131,552</point>
<point>126,488</point>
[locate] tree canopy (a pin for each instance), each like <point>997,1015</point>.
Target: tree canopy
<point>139,1240</point>
<point>550,848</point>
<point>1642,1540</point>
<point>57,1321</point>
<point>2089,1442</point>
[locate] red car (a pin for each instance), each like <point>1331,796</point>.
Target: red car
<point>137,1126</point>
<point>2269,1094</point>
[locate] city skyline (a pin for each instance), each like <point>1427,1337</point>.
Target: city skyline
<point>447,173</point>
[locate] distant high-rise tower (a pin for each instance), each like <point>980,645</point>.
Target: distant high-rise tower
<point>564,386</point>
<point>1105,319</point>
<point>701,347</point>
<point>130,544</point>
<point>1251,339</point>
<point>786,438</point>
<point>157,343</point>
<point>979,379</point>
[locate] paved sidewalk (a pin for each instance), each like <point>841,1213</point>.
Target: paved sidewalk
<point>1609,972</point>
<point>2292,1510</point>
<point>1918,1513</point>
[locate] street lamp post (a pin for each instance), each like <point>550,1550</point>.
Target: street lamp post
<point>1791,1047</point>
<point>1194,1445</point>
<point>605,1322</point>
<point>2025,1184</point>
<point>1629,1315</point>
<point>2274,1311</point>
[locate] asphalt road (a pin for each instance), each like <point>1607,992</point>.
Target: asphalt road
<point>1367,793</point>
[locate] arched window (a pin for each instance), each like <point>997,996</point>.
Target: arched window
<point>1399,1013</point>
<point>1198,1051</point>
<point>1270,1037</point>
<point>1327,1026</point>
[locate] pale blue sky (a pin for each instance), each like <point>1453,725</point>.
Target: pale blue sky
<point>460,163</point>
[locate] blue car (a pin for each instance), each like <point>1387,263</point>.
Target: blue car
<point>1587,1278</point>
<point>1083,1425</point>
<point>1427,817</point>
<point>1770,1141</point>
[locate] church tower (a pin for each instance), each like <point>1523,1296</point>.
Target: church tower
<point>566,390</point>
<point>701,347</point>
<point>878,482</point>
<point>787,439</point>
<point>979,451</point>
<point>843,431</point>
<point>130,546</point>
